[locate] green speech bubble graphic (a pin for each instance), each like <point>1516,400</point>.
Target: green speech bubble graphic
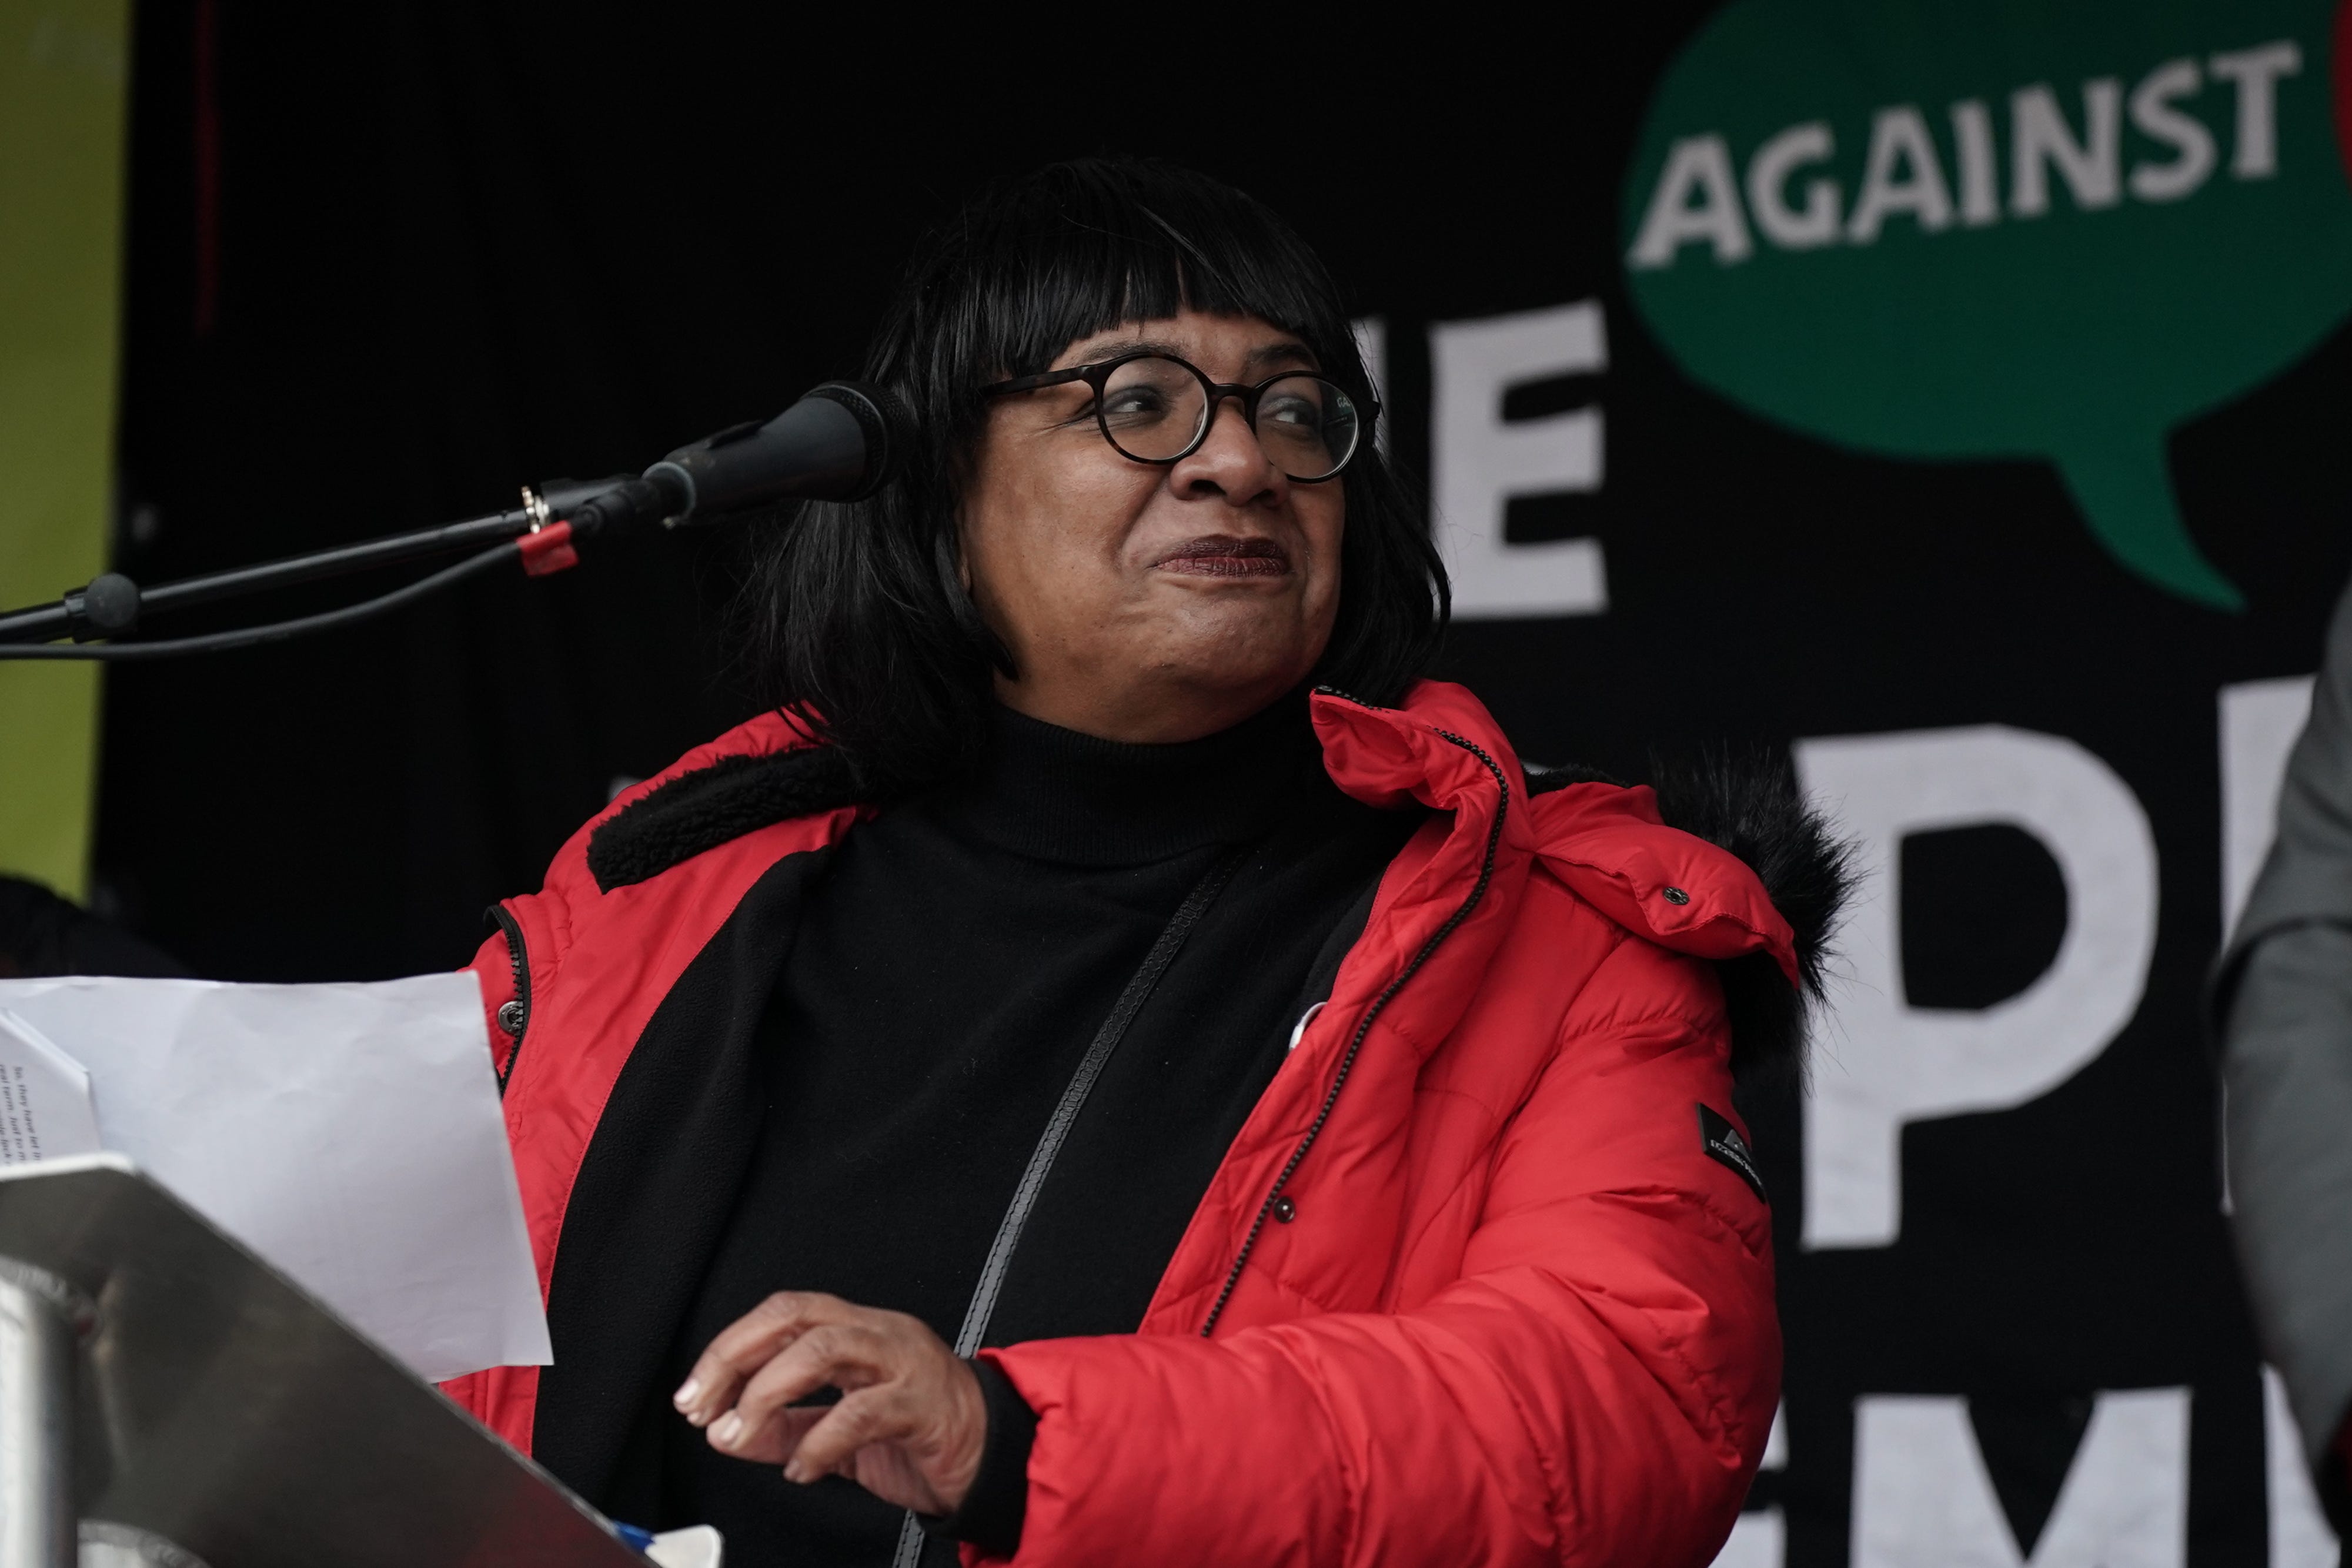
<point>2000,229</point>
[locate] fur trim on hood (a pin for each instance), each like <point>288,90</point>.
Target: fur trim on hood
<point>1748,803</point>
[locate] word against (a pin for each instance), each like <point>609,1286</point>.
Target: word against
<point>1698,199</point>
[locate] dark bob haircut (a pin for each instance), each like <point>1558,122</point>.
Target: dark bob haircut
<point>854,610</point>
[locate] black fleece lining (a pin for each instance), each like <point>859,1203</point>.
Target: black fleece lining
<point>716,805</point>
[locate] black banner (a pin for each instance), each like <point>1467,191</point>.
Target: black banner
<point>1955,397</point>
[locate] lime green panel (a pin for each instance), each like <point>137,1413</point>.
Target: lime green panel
<point>64,79</point>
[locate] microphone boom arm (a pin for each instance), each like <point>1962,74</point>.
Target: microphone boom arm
<point>112,605</point>
<point>839,441</point>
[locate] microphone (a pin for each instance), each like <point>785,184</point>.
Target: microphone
<point>841,441</point>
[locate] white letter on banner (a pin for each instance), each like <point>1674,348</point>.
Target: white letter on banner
<point>1972,135</point>
<point>1373,342</point>
<point>1899,142</point>
<point>1696,166</point>
<point>1759,1537</point>
<point>1478,462</point>
<point>2256,73</point>
<point>2038,136</point>
<point>2299,1534</point>
<point>1800,228</point>
<point>2261,721</point>
<point>1888,1062</point>
<point>2192,145</point>
<point>1921,1493</point>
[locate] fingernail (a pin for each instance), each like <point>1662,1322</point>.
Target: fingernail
<point>796,1473</point>
<point>729,1428</point>
<point>686,1393</point>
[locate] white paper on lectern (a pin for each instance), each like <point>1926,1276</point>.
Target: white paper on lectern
<point>45,1109</point>
<point>349,1135</point>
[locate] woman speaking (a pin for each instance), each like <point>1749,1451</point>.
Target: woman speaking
<point>1116,1067</point>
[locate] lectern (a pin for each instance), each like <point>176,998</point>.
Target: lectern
<point>166,1395</point>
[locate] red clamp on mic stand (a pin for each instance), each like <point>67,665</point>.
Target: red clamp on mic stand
<point>547,548</point>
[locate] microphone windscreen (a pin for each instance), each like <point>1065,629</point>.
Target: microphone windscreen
<point>886,422</point>
<point>839,442</point>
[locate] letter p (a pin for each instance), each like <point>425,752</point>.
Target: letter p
<point>1883,1062</point>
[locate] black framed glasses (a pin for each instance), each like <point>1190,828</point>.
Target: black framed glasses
<point>1156,408</point>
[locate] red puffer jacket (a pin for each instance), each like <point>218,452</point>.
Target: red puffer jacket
<point>1486,1278</point>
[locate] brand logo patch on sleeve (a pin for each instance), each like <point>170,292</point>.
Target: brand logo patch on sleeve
<point>1725,1147</point>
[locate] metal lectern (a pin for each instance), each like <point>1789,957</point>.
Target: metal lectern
<point>166,1395</point>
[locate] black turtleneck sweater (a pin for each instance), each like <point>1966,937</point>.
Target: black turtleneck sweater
<point>952,962</point>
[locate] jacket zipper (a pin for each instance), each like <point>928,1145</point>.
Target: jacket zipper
<point>1371,1014</point>
<point>515,1016</point>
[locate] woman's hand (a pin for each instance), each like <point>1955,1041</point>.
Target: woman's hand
<point>911,1422</point>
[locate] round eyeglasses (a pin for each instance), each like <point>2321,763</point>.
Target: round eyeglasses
<point>1156,408</point>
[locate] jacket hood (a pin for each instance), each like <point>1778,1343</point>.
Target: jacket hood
<point>1748,805</point>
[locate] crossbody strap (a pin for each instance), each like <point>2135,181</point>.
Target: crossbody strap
<point>1057,1129</point>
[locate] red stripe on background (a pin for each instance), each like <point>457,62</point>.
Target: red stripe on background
<point>2342,85</point>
